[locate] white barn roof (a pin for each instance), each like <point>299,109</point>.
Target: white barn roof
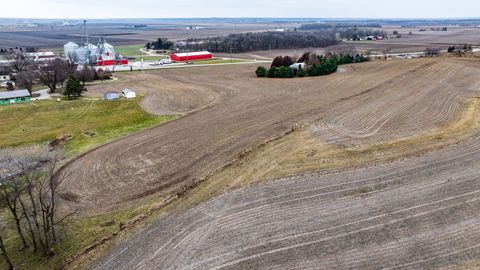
<point>14,94</point>
<point>192,54</point>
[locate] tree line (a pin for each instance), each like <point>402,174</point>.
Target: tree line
<point>237,43</point>
<point>348,31</point>
<point>160,44</point>
<point>309,36</point>
<point>319,26</point>
<point>29,191</point>
<point>309,64</point>
<point>52,73</point>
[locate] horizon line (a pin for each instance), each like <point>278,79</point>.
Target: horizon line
<point>256,17</point>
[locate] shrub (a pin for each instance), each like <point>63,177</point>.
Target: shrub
<point>261,72</point>
<point>290,73</point>
<point>271,73</point>
<point>317,65</point>
<point>301,73</point>
<point>103,74</point>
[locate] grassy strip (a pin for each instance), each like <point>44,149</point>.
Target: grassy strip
<point>129,50</point>
<point>89,122</point>
<point>134,51</point>
<point>218,61</point>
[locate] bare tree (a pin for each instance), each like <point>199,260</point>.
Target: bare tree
<point>86,74</point>
<point>10,192</point>
<point>47,188</point>
<point>26,78</point>
<point>30,190</point>
<point>432,52</point>
<point>277,62</point>
<point>71,64</point>
<point>5,254</point>
<point>19,61</point>
<point>53,72</point>
<point>386,53</point>
<point>313,59</point>
<point>287,61</point>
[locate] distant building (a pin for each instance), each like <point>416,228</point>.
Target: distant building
<point>191,56</point>
<point>102,54</point>
<point>127,93</point>
<point>41,56</point>
<point>4,77</point>
<point>13,97</point>
<point>137,26</point>
<point>4,73</point>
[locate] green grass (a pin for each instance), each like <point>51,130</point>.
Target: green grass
<point>149,58</point>
<point>134,51</point>
<point>91,123</point>
<point>217,61</point>
<point>129,50</point>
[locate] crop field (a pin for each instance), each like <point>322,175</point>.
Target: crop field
<point>374,167</point>
<point>48,37</point>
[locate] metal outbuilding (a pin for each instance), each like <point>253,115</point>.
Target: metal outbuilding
<point>191,56</point>
<point>13,97</point>
<point>127,93</point>
<point>111,96</point>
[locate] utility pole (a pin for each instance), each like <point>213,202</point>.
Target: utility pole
<point>86,33</point>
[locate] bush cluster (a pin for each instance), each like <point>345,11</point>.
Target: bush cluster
<point>317,66</point>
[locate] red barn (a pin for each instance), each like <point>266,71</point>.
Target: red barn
<point>191,56</point>
<point>120,62</point>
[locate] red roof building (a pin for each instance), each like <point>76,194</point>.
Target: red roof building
<point>191,56</point>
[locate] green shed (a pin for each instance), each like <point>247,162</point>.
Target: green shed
<point>13,97</point>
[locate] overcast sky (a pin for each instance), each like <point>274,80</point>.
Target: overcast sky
<point>240,8</point>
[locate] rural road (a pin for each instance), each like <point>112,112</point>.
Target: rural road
<point>416,213</point>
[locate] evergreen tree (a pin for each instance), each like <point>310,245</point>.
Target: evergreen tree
<point>261,72</point>
<point>271,72</point>
<point>301,73</point>
<point>290,73</point>
<point>73,88</point>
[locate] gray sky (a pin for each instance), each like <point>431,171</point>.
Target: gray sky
<point>241,8</point>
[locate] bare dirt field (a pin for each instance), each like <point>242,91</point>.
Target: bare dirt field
<point>416,42</point>
<point>247,110</point>
<point>420,212</point>
<point>164,94</point>
<point>48,37</point>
